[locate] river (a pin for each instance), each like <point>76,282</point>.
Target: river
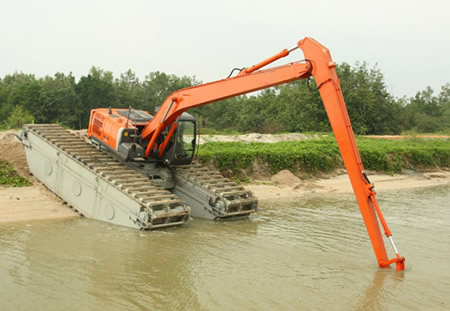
<point>312,254</point>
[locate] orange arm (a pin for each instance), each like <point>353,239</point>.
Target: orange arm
<point>195,96</point>
<point>333,100</point>
<point>320,65</point>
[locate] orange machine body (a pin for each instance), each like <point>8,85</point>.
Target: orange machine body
<point>109,126</point>
<point>319,64</point>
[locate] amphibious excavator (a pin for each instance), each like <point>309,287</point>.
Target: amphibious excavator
<point>136,169</point>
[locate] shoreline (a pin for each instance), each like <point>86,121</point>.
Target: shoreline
<point>340,184</point>
<point>36,202</point>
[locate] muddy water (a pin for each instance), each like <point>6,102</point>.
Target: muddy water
<point>308,255</point>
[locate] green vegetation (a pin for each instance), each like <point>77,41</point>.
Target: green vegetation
<point>9,177</point>
<point>60,99</point>
<point>396,155</point>
<point>291,107</point>
<point>322,155</point>
<point>18,118</point>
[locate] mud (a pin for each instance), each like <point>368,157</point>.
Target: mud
<point>11,150</point>
<point>285,178</point>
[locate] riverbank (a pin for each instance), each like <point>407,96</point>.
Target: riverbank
<point>36,202</point>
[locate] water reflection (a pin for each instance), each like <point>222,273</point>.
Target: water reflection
<point>378,291</point>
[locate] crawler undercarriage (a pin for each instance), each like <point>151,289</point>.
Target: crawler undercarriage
<point>138,195</point>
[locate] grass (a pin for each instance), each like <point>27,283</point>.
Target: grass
<point>10,178</point>
<point>322,155</point>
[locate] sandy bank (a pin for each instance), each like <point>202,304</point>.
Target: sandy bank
<point>26,203</point>
<point>31,203</point>
<point>289,188</point>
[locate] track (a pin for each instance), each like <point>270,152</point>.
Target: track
<point>221,197</point>
<point>133,200</point>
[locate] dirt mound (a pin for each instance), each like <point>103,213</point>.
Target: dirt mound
<point>11,150</point>
<point>285,178</point>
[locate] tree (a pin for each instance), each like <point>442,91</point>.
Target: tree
<point>286,108</point>
<point>444,103</point>
<point>158,86</point>
<point>18,118</point>
<point>423,112</point>
<point>129,92</point>
<point>59,101</point>
<point>299,109</point>
<point>20,90</point>
<point>371,108</point>
<point>296,107</point>
<point>96,90</point>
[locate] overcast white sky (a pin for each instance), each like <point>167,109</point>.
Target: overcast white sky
<point>409,40</point>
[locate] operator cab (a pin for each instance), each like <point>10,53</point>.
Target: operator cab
<point>181,148</point>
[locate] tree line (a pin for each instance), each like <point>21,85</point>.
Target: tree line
<point>292,107</point>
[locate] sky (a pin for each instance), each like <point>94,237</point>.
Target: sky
<point>409,41</point>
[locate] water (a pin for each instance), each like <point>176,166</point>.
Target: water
<point>308,255</point>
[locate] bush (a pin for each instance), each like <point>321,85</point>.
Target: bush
<point>322,155</point>
<point>9,177</point>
